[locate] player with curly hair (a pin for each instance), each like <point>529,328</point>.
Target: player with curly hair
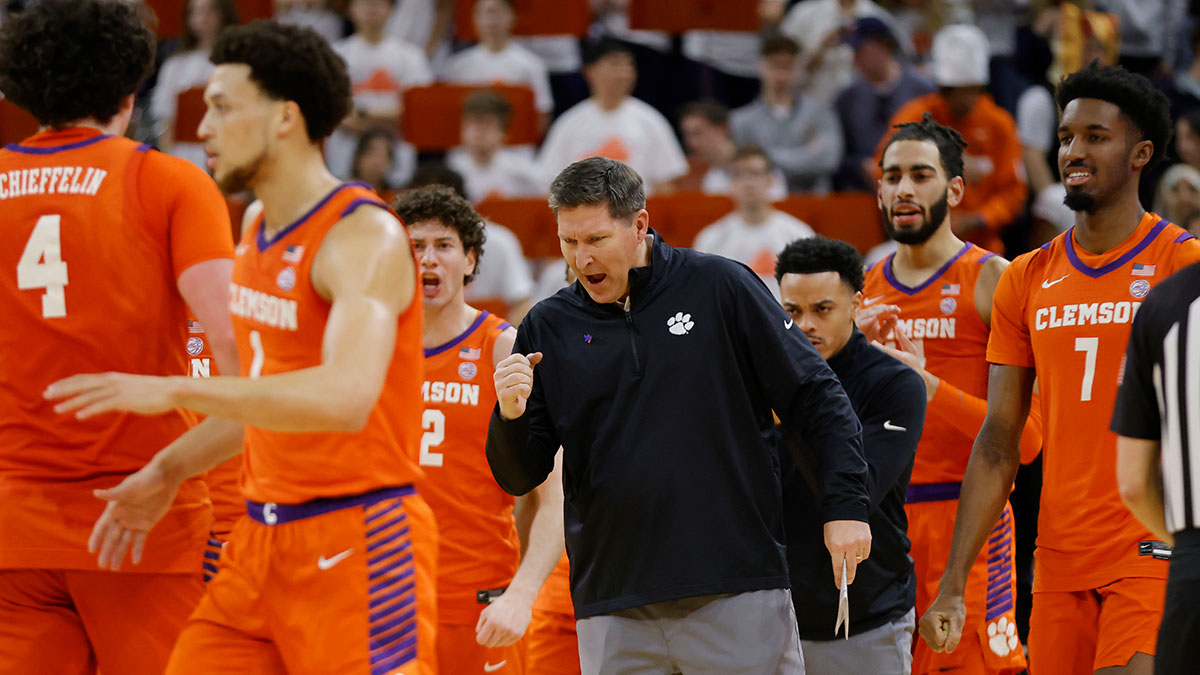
<point>333,569</point>
<point>1062,313</point>
<point>106,246</point>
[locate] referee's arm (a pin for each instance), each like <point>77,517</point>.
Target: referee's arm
<point>1137,423</point>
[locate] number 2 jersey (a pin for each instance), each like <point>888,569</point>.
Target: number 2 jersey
<point>279,322</point>
<point>478,548</point>
<point>94,233</point>
<point>1066,313</point>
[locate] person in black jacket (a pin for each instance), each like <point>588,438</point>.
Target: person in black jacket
<point>657,372</point>
<point>821,283</point>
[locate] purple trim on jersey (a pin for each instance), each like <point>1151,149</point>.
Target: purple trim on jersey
<point>144,147</point>
<point>932,492</point>
<point>278,514</point>
<point>1184,237</point>
<point>887,272</point>
<point>362,201</point>
<point>263,244</point>
<point>999,599</point>
<point>1046,245</point>
<point>503,327</point>
<point>986,256</point>
<point>434,351</point>
<point>51,149</point>
<point>1095,272</point>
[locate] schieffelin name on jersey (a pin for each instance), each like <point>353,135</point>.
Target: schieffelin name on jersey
<point>51,180</point>
<point>264,308</point>
<point>1085,314</point>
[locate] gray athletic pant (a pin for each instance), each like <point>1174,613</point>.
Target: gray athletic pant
<point>886,650</point>
<point>751,633</point>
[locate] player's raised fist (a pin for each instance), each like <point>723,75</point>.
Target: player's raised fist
<point>514,383</point>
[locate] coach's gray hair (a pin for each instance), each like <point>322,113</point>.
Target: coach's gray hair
<point>599,180</point>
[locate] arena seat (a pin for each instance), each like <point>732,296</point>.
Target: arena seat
<point>679,217</point>
<point>677,17</point>
<point>189,110</point>
<point>530,219</point>
<point>432,118</point>
<point>534,17</point>
<point>852,217</point>
<point>15,124</point>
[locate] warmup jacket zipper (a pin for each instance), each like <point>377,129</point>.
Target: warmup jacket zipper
<point>637,361</point>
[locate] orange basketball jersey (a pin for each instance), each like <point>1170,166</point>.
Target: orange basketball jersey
<point>555,595</point>
<point>941,312</point>
<point>96,231</point>
<point>279,321</point>
<point>222,480</point>
<point>479,549</point>
<point>1066,313</point>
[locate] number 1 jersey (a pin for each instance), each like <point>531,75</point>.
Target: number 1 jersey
<point>94,233</point>
<point>1066,313</point>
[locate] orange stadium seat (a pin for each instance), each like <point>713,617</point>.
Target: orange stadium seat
<point>432,118</point>
<point>15,124</point>
<point>677,17</point>
<point>189,110</point>
<point>852,217</point>
<point>530,219</point>
<point>534,17</point>
<point>170,17</point>
<point>679,217</point>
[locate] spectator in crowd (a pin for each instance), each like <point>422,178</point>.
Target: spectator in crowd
<point>381,68</point>
<point>373,159</point>
<point>998,20</point>
<point>882,84</point>
<point>498,59</point>
<point>723,64</point>
<point>1184,88</point>
<point>505,284</point>
<point>1077,36</point>
<point>424,23</point>
<point>488,168</point>
<point>706,136</point>
<point>614,124</point>
<point>1050,216</point>
<point>1178,194</point>
<point>1191,223</point>
<point>754,233</point>
<point>311,14</point>
<point>561,56</point>
<point>186,69</point>
<point>651,50</point>
<point>803,136</point>
<point>996,191</point>
<point>1148,33</point>
<point>819,28</point>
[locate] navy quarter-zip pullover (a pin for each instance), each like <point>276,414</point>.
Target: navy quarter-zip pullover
<point>663,408</point>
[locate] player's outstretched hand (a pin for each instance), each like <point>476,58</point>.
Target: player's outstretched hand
<point>514,383</point>
<point>942,624</point>
<point>849,539</point>
<point>504,621</point>
<point>91,395</point>
<point>134,507</point>
<point>877,321</point>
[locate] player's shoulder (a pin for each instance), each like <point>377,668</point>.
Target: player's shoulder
<point>1028,264</point>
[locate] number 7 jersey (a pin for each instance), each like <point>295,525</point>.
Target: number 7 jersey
<point>1066,313</point>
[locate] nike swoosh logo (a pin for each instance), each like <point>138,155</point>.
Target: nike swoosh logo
<point>888,426</point>
<point>871,301</point>
<point>325,563</point>
<point>489,668</point>
<point>787,325</point>
<point>1047,283</point>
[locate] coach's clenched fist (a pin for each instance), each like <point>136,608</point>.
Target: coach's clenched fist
<point>514,383</point>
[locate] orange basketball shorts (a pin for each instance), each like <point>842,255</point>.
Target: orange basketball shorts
<point>989,645</point>
<point>458,652</point>
<point>69,622</point>
<point>342,585</point>
<point>1083,631</point>
<point>553,648</point>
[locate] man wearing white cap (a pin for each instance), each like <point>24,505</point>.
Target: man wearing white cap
<point>996,188</point>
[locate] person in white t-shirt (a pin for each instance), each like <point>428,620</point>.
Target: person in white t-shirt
<point>755,232</point>
<point>186,69</point>
<point>614,124</point>
<point>499,60</point>
<point>506,279</point>
<point>488,168</point>
<point>380,68</point>
<point>310,14</point>
<point>706,135</point>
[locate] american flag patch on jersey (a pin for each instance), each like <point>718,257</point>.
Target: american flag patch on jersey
<point>470,353</point>
<point>195,327</point>
<point>1140,270</point>
<point>951,289</point>
<point>293,254</point>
